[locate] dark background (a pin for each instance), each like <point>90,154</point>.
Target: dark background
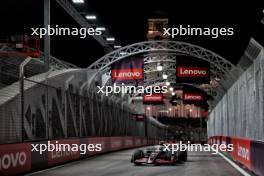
<point>127,22</point>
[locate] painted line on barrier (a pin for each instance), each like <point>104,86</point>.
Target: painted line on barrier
<point>237,167</point>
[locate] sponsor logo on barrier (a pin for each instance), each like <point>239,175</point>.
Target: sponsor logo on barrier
<point>63,155</point>
<point>14,159</point>
<point>116,143</point>
<point>138,142</point>
<point>241,151</point>
<point>128,142</point>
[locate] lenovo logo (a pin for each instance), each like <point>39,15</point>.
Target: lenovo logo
<point>13,160</point>
<point>127,74</point>
<point>63,153</point>
<point>192,71</point>
<point>116,143</point>
<point>192,97</point>
<point>243,152</point>
<point>153,98</point>
<point>128,142</point>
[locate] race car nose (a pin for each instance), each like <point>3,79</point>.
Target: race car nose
<point>150,160</point>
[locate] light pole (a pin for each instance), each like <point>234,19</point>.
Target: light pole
<point>47,37</point>
<point>189,121</point>
<point>147,110</point>
<point>262,21</point>
<point>201,123</point>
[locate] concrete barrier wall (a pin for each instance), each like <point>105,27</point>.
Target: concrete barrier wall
<point>248,153</point>
<point>240,112</point>
<point>16,159</point>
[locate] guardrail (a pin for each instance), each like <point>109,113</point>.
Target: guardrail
<point>248,153</point>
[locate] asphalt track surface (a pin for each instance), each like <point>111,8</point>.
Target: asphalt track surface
<point>118,164</point>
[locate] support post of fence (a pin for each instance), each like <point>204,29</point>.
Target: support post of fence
<point>22,101</point>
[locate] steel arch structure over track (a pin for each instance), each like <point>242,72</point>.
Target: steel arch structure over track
<point>170,46</point>
<point>221,67</point>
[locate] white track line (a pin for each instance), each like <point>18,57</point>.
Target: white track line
<point>239,169</point>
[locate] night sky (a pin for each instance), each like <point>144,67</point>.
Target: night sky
<point>127,22</point>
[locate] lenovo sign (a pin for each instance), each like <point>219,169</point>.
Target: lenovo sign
<point>192,71</point>
<point>192,74</point>
<point>15,158</point>
<point>140,118</point>
<point>192,97</point>
<point>128,71</point>
<point>153,98</point>
<point>55,157</point>
<point>241,152</point>
<point>127,74</point>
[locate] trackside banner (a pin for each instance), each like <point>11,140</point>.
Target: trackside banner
<point>191,74</point>
<point>140,118</point>
<point>105,144</point>
<point>15,159</point>
<point>129,70</point>
<point>20,158</point>
<point>247,152</point>
<point>192,98</point>
<point>200,72</point>
<point>241,152</point>
<point>56,157</point>
<point>156,98</point>
<point>241,148</point>
<point>192,71</point>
